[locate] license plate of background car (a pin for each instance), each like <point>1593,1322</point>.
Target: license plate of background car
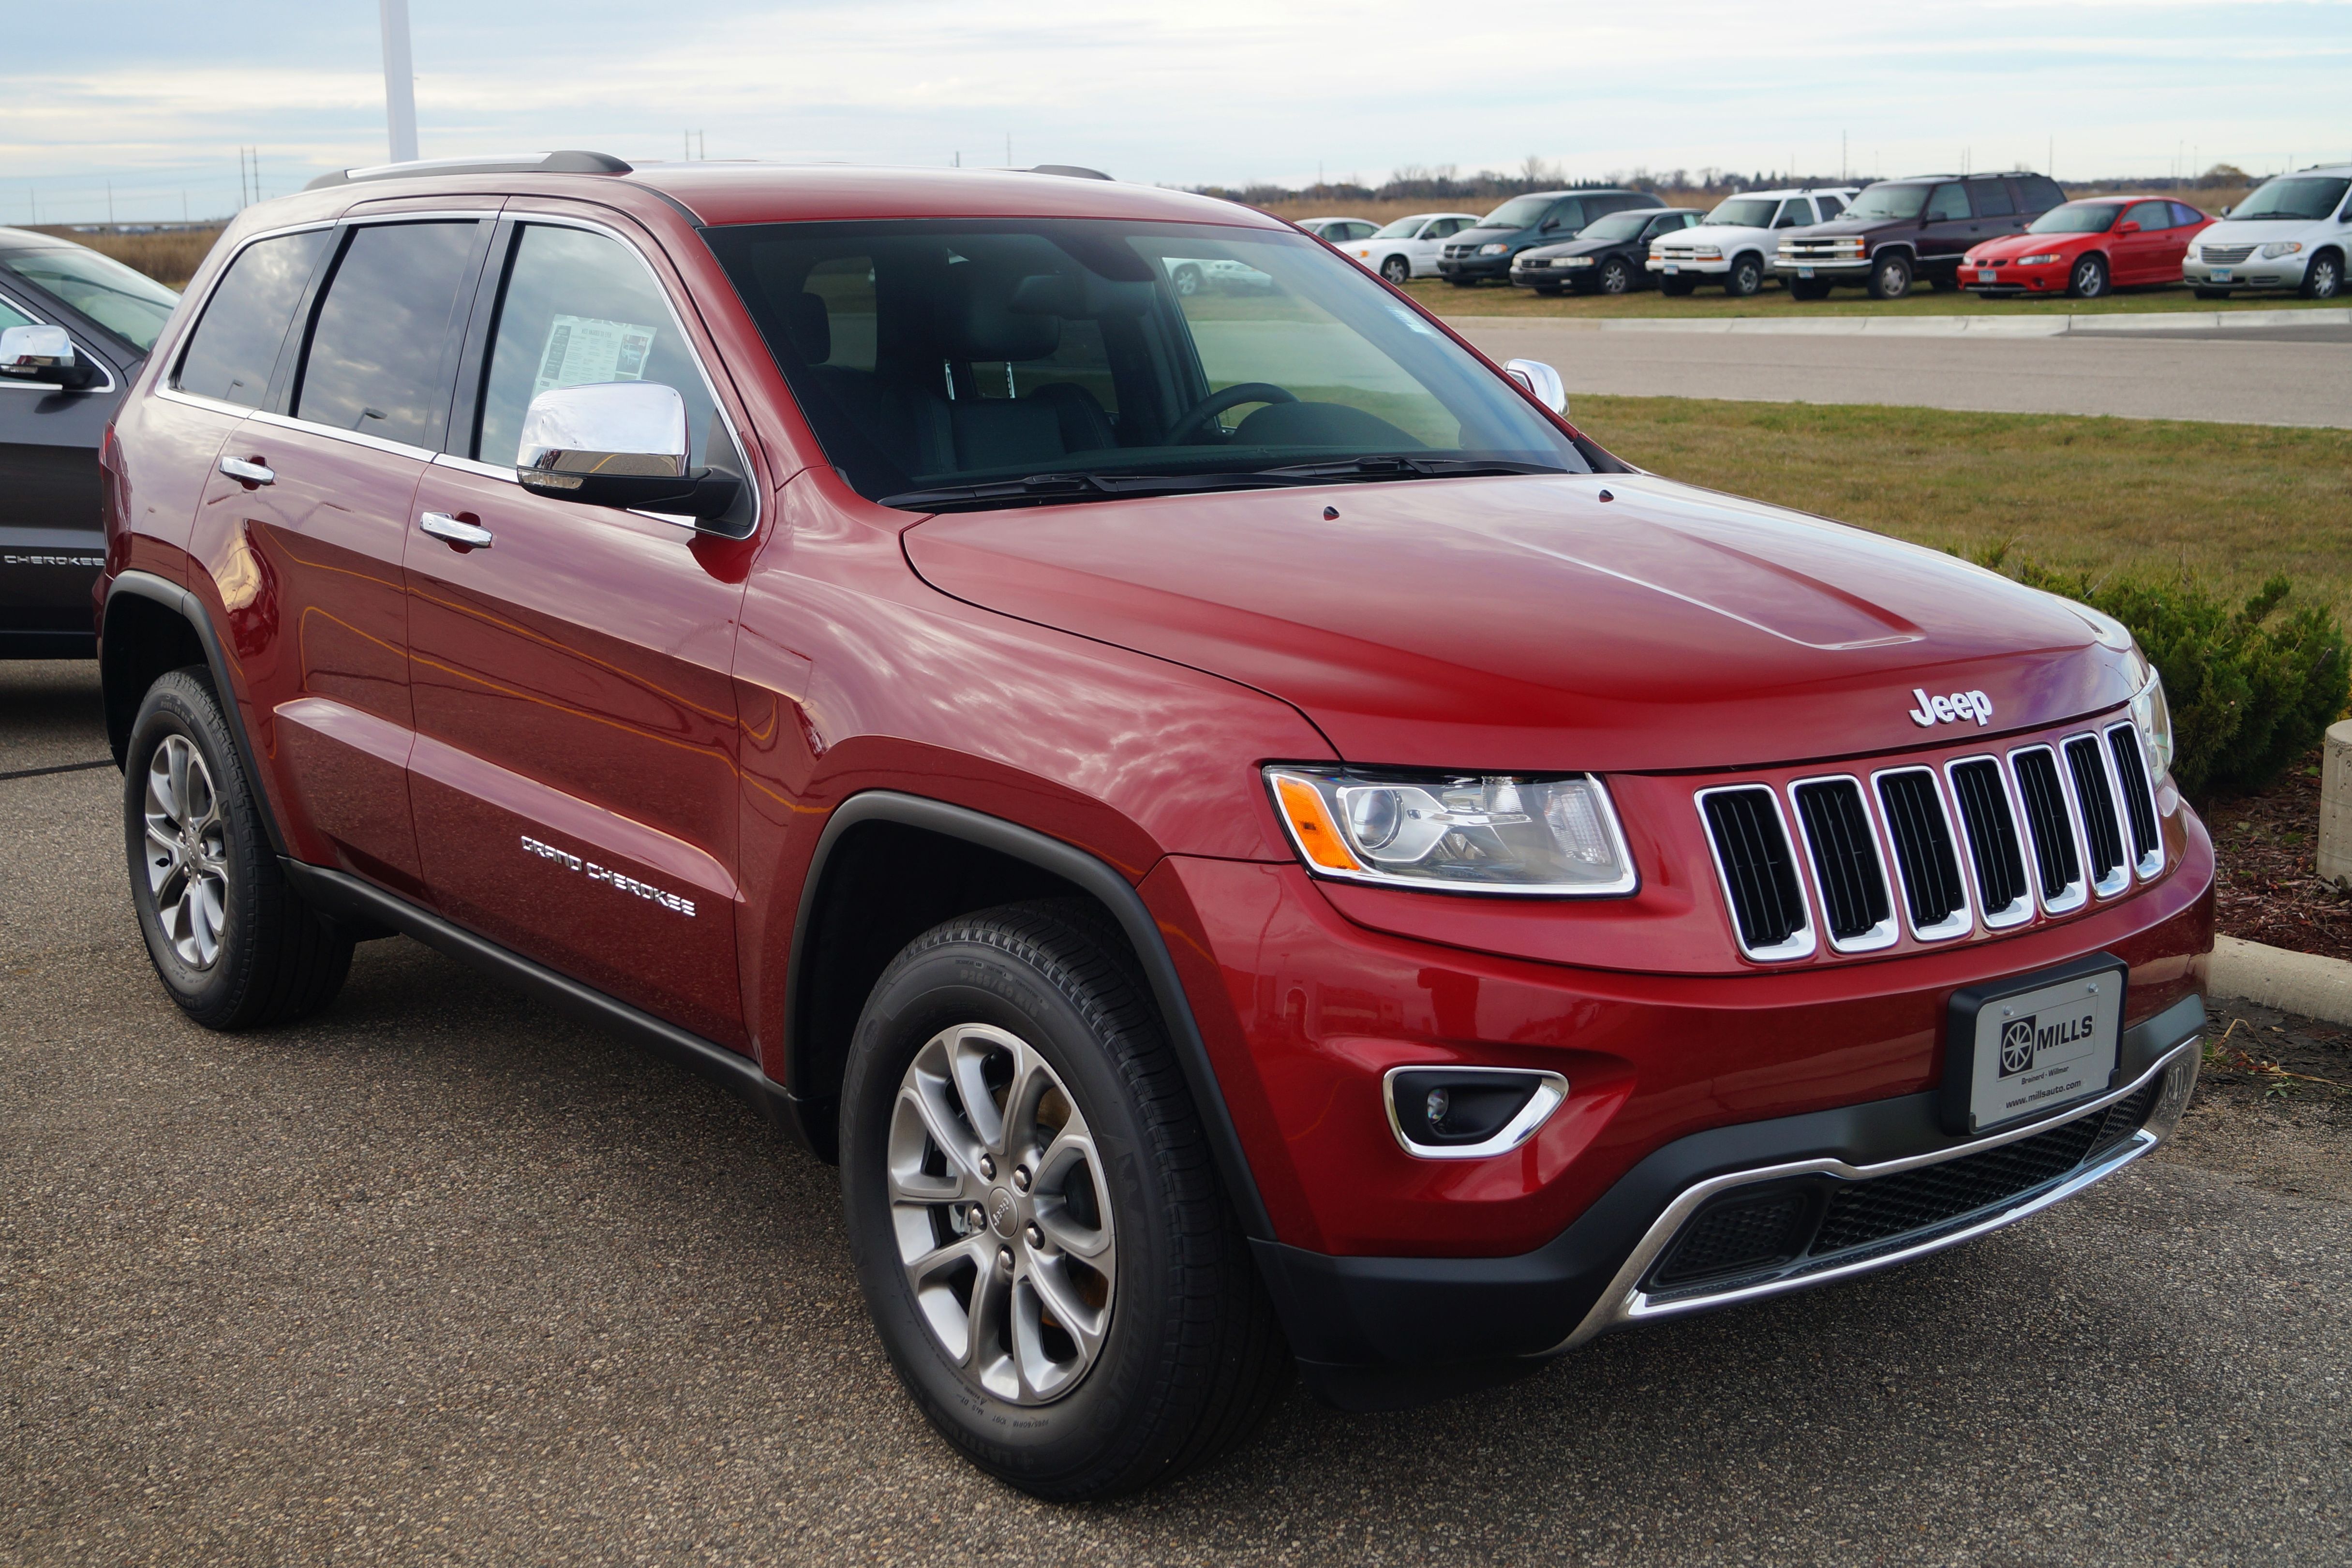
<point>1669,266</point>
<point>1987,275</point>
<point>2032,1051</point>
<point>2221,275</point>
<point>1804,272</point>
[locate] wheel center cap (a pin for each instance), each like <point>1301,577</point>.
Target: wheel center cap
<point>1003,1212</point>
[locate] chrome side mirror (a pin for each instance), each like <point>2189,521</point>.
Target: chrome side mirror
<point>1541,380</point>
<point>618,443</point>
<point>44,355</point>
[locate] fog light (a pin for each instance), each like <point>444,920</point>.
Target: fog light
<point>2179,1083</point>
<point>1469,1112</point>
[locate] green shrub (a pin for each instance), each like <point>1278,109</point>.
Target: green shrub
<point>2251,690</point>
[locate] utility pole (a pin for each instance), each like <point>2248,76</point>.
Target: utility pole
<point>702,146</point>
<point>399,81</point>
<point>1008,149</point>
<point>109,203</point>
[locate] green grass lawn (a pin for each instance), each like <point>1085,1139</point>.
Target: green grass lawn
<point>1504,299</point>
<point>2227,503</point>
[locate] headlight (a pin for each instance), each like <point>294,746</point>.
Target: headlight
<point>1576,261</point>
<point>2153,717</point>
<point>1460,832</point>
<point>2043,258</point>
<point>2281,247</point>
<point>1853,246</point>
<point>1493,249</point>
<point>1707,252</point>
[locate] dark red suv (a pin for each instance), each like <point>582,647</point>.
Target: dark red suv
<point>1252,841</point>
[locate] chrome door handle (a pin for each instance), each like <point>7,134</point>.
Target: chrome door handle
<point>248,472</point>
<point>442,525</point>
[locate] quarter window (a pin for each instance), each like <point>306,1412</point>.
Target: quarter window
<point>2184,216</point>
<point>235,347</point>
<point>1948,202</point>
<point>580,307</point>
<point>379,356</point>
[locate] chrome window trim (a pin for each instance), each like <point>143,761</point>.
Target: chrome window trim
<point>1961,921</point>
<point>1625,1303</point>
<point>1550,1094</point>
<point>2122,880</point>
<point>34,318</point>
<point>2016,913</point>
<point>686,340</point>
<point>1801,943</point>
<point>2077,892</point>
<point>2148,867</point>
<point>353,437</point>
<point>1887,931</point>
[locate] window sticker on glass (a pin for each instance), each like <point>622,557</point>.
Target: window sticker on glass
<point>582,349</point>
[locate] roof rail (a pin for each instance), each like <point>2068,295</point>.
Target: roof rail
<point>1071,171</point>
<point>497,163</point>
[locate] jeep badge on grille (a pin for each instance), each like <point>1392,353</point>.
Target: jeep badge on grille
<point>1950,709</point>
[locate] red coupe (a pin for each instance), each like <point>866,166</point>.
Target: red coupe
<point>2086,248</point>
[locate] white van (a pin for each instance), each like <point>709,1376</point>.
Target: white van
<point>2293,232</point>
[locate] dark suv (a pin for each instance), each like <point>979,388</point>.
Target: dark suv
<point>1898,232</point>
<point>1252,841</point>
<point>74,327</point>
<point>1540,217</point>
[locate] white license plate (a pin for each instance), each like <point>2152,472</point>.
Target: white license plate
<point>1987,275</point>
<point>2031,1052</point>
<point>1804,272</point>
<point>2221,275</point>
<point>1670,267</point>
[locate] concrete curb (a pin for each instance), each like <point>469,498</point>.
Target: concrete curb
<point>1984,326</point>
<point>2301,983</point>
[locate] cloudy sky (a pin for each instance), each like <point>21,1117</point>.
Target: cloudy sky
<point>152,98</point>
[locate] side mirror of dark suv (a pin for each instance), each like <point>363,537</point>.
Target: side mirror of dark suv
<point>618,443</point>
<point>46,355</point>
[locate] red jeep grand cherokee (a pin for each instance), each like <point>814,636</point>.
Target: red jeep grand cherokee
<point>1248,837</point>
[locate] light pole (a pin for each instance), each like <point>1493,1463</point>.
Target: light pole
<point>399,81</point>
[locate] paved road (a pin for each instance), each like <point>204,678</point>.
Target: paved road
<point>440,1277</point>
<point>2279,376</point>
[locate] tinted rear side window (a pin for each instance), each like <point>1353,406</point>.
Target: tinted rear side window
<point>379,361</point>
<point>2184,214</point>
<point>2039,193</point>
<point>234,348</point>
<point>1991,197</point>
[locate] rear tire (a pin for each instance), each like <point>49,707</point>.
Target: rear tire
<point>1023,1037</point>
<point>1397,271</point>
<point>1890,277</point>
<point>2324,278</point>
<point>2088,279</point>
<point>1745,279</point>
<point>233,944</point>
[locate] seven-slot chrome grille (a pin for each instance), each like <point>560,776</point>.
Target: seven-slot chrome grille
<point>1990,839</point>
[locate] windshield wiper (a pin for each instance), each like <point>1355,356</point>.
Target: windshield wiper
<point>1399,466</point>
<point>1053,487</point>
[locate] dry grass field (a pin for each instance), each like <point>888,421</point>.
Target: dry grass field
<point>170,257</point>
<point>2226,505</point>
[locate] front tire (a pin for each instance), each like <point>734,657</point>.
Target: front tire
<point>1397,271</point>
<point>1890,277</point>
<point>1616,276</point>
<point>1189,280</point>
<point>1745,279</point>
<point>1034,1217</point>
<point>233,944</point>
<point>2324,278</point>
<point>2088,280</point>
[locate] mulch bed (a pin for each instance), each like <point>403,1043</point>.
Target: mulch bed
<point>2269,888</point>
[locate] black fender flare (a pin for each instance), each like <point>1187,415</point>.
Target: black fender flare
<point>1090,875</point>
<point>189,607</point>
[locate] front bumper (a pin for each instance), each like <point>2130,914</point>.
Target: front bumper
<point>1476,266</point>
<point>1683,268</point>
<point>2011,280</point>
<point>1386,1332</point>
<point>2279,272</point>
<point>1845,269</point>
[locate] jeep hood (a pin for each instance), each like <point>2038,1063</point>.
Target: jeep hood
<point>1526,624</point>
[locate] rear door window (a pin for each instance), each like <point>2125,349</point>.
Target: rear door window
<point>382,354</point>
<point>580,309</point>
<point>1992,198</point>
<point>235,347</point>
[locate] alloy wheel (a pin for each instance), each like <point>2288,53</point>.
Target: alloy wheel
<point>1001,1213</point>
<point>187,852</point>
<point>2090,279</point>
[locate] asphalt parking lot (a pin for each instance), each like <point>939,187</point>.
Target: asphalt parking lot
<point>442,1276</point>
<point>2291,375</point>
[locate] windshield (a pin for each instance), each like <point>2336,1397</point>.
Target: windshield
<point>1889,202</point>
<point>1403,228</point>
<point>1519,213</point>
<point>2306,198</point>
<point>129,304</point>
<point>1743,212</point>
<point>932,354</point>
<point>2076,218</point>
<point>1616,226</point>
